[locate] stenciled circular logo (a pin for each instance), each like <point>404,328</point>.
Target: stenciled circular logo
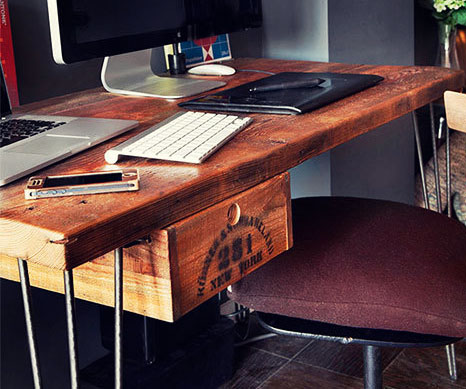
<point>234,247</point>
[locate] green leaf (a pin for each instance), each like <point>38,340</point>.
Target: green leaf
<point>460,16</point>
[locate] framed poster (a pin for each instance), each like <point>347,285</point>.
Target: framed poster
<point>205,50</point>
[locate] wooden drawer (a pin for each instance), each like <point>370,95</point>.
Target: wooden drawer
<point>185,264</point>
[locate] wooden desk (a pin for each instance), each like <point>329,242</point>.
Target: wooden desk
<point>67,232</point>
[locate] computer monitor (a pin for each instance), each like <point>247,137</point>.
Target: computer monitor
<point>85,29</point>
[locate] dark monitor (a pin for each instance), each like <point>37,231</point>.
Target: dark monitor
<point>85,29</point>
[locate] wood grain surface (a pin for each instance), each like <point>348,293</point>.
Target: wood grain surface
<point>63,233</point>
<point>175,269</point>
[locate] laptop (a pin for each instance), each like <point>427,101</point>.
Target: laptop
<point>30,142</point>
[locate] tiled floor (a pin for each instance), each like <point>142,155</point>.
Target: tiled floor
<point>286,362</point>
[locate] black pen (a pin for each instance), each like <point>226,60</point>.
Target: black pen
<point>288,85</point>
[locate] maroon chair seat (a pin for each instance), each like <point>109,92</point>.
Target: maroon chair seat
<point>366,263</point>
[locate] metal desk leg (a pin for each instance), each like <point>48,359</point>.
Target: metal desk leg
<point>435,159</point>
<point>448,167</point>
<point>71,328</point>
<point>26,293</point>
<point>421,162</point>
<point>118,254</point>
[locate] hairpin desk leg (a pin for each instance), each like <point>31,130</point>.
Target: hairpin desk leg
<point>71,328</point>
<point>435,158</point>
<point>448,168</point>
<point>118,254</point>
<point>421,162</point>
<point>26,293</point>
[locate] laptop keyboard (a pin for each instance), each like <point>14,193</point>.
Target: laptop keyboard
<point>14,130</point>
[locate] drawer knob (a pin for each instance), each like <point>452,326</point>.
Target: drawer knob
<point>234,212</point>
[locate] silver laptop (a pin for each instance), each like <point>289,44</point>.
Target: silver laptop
<point>30,142</point>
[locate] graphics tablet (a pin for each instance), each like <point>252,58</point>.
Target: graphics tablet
<point>290,101</point>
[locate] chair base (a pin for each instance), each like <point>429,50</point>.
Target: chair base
<point>285,325</point>
<point>371,339</point>
<point>372,367</point>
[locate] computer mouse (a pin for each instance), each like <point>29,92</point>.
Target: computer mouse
<point>212,69</point>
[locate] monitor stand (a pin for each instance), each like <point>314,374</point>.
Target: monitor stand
<point>131,74</point>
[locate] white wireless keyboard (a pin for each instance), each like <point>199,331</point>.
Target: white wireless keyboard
<point>185,137</point>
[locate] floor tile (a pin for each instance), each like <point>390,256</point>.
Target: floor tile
<point>345,359</point>
<point>299,376</point>
<point>285,346</point>
<point>252,367</point>
<point>425,368</point>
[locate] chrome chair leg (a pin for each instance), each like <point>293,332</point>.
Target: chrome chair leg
<point>71,328</point>
<point>118,254</point>
<point>27,302</point>
<point>372,367</point>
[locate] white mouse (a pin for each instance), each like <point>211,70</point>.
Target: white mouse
<point>212,69</point>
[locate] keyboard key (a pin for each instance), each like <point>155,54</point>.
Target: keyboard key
<point>14,130</point>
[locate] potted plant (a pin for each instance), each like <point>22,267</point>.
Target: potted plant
<point>449,14</point>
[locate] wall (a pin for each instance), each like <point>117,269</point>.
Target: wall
<point>379,164</point>
<point>293,29</point>
<point>298,29</point>
<point>371,31</point>
<point>426,36</point>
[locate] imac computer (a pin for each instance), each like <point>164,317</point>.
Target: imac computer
<point>85,29</point>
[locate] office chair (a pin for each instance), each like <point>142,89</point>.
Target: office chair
<point>372,272</point>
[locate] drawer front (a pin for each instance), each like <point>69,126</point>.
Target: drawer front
<point>224,243</point>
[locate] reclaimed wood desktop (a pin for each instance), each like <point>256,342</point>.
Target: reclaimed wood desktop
<point>64,233</point>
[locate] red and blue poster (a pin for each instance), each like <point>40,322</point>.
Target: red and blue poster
<point>206,50</point>
<point>212,49</point>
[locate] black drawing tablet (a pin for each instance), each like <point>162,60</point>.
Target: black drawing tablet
<point>285,101</point>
